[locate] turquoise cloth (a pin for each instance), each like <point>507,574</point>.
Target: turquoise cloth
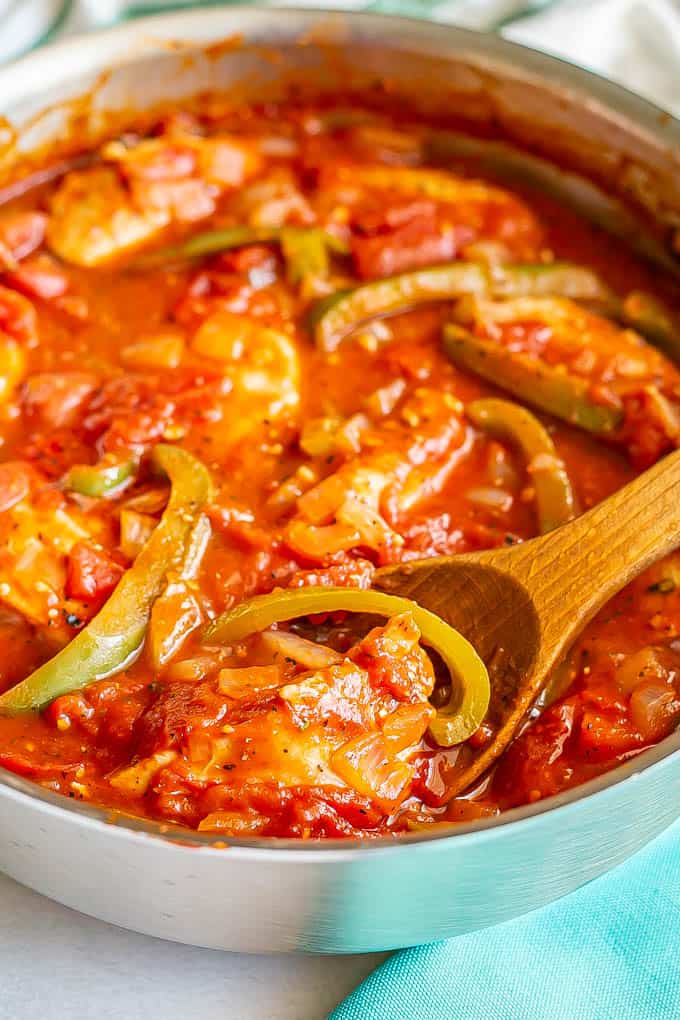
<point>610,951</point>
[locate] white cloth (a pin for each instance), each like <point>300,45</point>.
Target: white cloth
<point>636,42</point>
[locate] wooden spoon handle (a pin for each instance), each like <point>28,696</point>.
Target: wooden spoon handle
<point>571,573</point>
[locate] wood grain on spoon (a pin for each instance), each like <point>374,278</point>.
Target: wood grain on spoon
<point>522,607</point>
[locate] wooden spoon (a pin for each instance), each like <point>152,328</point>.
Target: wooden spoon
<point>521,607</point>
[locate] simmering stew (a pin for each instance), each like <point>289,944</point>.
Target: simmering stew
<point>246,359</point>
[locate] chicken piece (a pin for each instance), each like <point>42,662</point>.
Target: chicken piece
<point>406,217</point>
<point>107,211</point>
<point>561,332</point>
<point>339,727</point>
<point>263,368</point>
<point>36,536</point>
<point>621,370</point>
<point>274,201</point>
<point>93,218</point>
<point>217,162</point>
<point>402,462</point>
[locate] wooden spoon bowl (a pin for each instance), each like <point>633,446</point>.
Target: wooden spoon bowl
<point>523,606</point>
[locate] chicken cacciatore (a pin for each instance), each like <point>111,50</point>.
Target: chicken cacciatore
<point>246,359</point>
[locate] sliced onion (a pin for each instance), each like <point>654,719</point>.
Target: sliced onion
<point>197,667</point>
<point>643,665</point>
<point>244,680</point>
<point>305,653</point>
<point>653,709</point>
<point>135,531</point>
<point>494,499</point>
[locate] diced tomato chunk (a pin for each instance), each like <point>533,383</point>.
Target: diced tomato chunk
<point>380,218</point>
<point>21,233</point>
<point>40,277</point>
<point>435,773</point>
<point>91,573</point>
<point>56,451</point>
<point>419,242</point>
<point>56,398</point>
<point>159,162</point>
<point>28,765</point>
<point>351,573</point>
<point>645,433</point>
<point>536,765</point>
<point>17,317</point>
<point>242,260</point>
<point>607,734</point>
<point>15,483</point>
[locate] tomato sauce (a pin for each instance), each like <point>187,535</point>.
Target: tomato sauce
<point>327,462</point>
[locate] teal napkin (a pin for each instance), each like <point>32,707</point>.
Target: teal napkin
<point>610,951</point>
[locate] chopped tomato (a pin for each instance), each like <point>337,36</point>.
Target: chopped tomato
<point>22,233</point>
<point>421,241</point>
<point>17,317</point>
<point>537,764</point>
<point>57,398</point>
<point>91,573</point>
<point>607,734</point>
<point>15,483</point>
<point>39,277</point>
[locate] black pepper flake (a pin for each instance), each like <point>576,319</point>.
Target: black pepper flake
<point>72,620</point>
<point>664,587</point>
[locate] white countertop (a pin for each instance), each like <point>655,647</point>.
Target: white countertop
<point>57,964</point>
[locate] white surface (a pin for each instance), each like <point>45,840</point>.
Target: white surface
<point>57,964</point>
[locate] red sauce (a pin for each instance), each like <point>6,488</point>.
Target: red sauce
<point>102,354</point>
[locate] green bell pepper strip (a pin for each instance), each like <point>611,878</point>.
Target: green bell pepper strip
<point>553,279</point>
<point>297,243</point>
<point>332,318</point>
<point>112,639</point>
<point>505,420</point>
<point>305,253</point>
<point>341,313</point>
<point>100,480</point>
<point>470,690</point>
<point>646,314</point>
<point>212,242</point>
<point>532,381</point>
<point>435,184</point>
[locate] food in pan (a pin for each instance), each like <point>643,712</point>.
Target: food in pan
<point>246,359</point>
